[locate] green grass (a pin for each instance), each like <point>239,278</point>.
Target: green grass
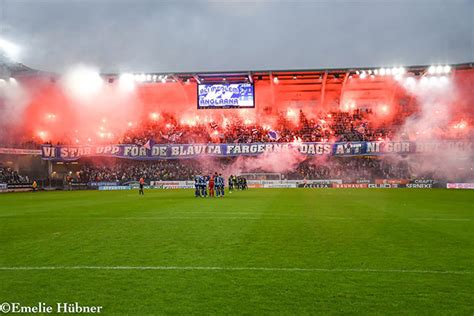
<point>402,237</point>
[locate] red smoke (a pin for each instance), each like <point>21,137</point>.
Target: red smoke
<point>50,114</point>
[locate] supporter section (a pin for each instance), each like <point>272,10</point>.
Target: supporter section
<point>326,106</point>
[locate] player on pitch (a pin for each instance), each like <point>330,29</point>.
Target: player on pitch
<point>142,183</point>
<point>211,186</point>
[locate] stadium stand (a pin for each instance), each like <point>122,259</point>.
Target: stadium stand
<point>10,176</point>
<point>350,169</point>
<point>303,106</point>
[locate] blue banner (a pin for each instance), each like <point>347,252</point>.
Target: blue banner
<point>180,151</point>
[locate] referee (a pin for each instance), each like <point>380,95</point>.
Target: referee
<point>142,183</point>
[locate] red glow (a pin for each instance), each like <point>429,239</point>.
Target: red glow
<point>154,116</point>
<point>42,135</point>
<point>291,114</point>
<point>297,140</point>
<point>113,112</point>
<point>460,125</point>
<point>50,116</point>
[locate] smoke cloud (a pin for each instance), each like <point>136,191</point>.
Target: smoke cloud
<point>13,102</point>
<point>441,115</point>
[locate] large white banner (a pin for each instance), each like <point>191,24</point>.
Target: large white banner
<point>232,95</point>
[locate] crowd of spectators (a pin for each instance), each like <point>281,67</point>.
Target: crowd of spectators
<point>350,169</point>
<point>130,170</point>
<point>332,126</point>
<point>10,176</point>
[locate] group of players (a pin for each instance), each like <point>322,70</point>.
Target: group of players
<point>237,182</point>
<point>215,184</point>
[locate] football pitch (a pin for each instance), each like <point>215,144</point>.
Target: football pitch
<point>286,251</point>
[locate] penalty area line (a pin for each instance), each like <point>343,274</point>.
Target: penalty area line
<point>197,268</point>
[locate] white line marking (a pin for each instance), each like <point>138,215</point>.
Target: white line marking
<point>182,217</point>
<point>237,269</point>
<point>143,218</point>
<point>192,217</point>
<point>260,216</point>
<point>221,213</point>
<point>233,217</point>
<point>443,219</point>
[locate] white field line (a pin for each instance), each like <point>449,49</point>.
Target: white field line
<point>233,217</point>
<point>275,217</point>
<point>187,217</point>
<point>197,268</point>
<point>183,217</point>
<point>443,219</point>
<point>251,216</point>
<point>222,213</point>
<point>220,217</point>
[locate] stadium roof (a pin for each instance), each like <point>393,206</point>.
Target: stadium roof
<point>293,84</point>
<point>18,69</point>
